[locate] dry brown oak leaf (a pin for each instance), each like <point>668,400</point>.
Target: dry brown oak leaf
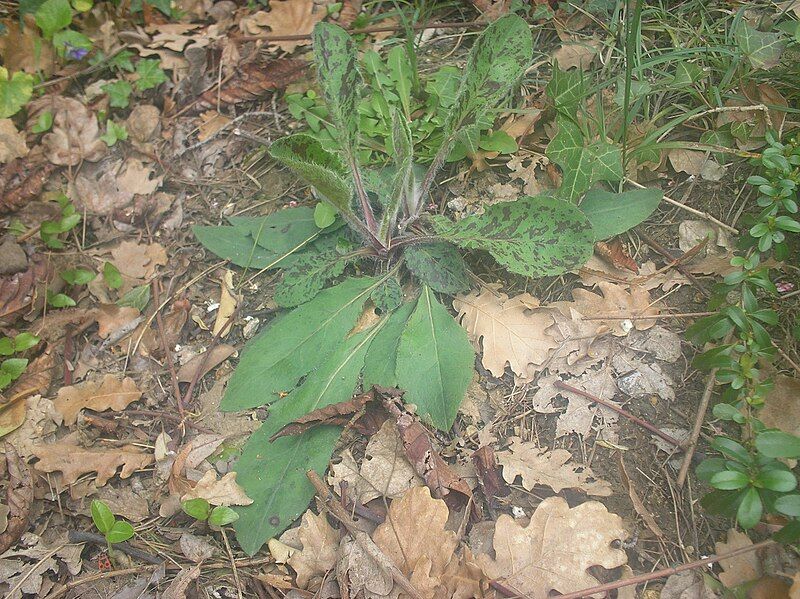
<point>225,491</point>
<point>556,549</point>
<point>617,304</point>
<point>287,17</point>
<point>110,393</point>
<point>74,461</point>
<point>512,331</point>
<point>320,549</point>
<point>75,135</point>
<point>539,466</point>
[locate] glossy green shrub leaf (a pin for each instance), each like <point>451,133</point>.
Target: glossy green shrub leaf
<point>725,411</point>
<point>323,170</point>
<point>729,480</point>
<point>780,481</point>
<point>434,361</point>
<point>294,344</point>
<point>731,449</point>
<point>614,213</point>
<point>380,365</point>
<point>102,516</point>
<point>777,444</point>
<point>708,468</point>
<point>197,508</point>
<point>439,266</point>
<point>789,533</point>
<point>532,236</point>
<point>306,277</point>
<point>121,531</point>
<point>750,509</point>
<point>496,63</point>
<point>222,516</point>
<point>337,72</point>
<point>789,505</point>
<point>273,473</point>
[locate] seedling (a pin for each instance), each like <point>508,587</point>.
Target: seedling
<point>114,531</point>
<point>201,510</point>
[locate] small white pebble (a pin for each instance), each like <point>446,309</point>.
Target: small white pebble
<point>626,325</point>
<point>212,306</point>
<point>518,512</point>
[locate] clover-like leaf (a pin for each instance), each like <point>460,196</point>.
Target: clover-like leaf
<point>532,236</point>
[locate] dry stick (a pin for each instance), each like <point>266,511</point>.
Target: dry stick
<point>626,582</point>
<point>361,537</point>
<point>648,316</point>
<point>77,536</point>
<point>378,29</point>
<point>698,421</point>
<point>694,211</point>
<point>618,410</point>
<point>176,389</point>
<point>675,261</point>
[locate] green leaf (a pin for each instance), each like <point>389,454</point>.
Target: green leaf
<point>114,133</point>
<point>496,63</point>
<point>78,276</point>
<point>6,346</point>
<point>566,89</point>
<point>731,449</point>
<point>337,72</point>
<point>294,344</point>
<point>112,276</point>
<point>43,123</point>
<point>777,444</point>
<point>25,341</point>
<point>11,370</point>
<point>150,74</point>
<point>400,69</point>
<point>14,92</point>
<point>434,361</point>
<point>380,365</point>
<point>121,531</point>
<point>762,49</point>
<point>273,474</point>
<point>439,266</point>
<point>499,141</point>
<point>281,232</point>
<point>82,5</point>
<point>387,296</point>
<point>686,73</point>
<point>119,93</point>
<point>789,533</point>
<point>725,411</point>
<point>222,516</point>
<point>729,480</point>
<point>582,165</point>
<point>780,481</point>
<point>323,170</point>
<point>750,509</point>
<point>306,277</point>
<point>235,244</point>
<point>400,191</point>
<point>532,236</point>
<point>197,508</point>
<point>138,298</point>
<point>52,16</point>
<point>67,41</point>
<point>324,215</point>
<point>615,213</point>
<point>59,300</point>
<point>708,468</point>
<point>102,516</point>
<point>789,505</point>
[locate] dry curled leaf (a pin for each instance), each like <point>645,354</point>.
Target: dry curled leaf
<point>694,162</point>
<point>204,363</point>
<point>619,306</point>
<point>579,53</point>
<point>138,261</point>
<point>253,80</point>
<point>511,331</point>
<point>616,254</point>
<point>225,491</point>
<point>21,181</point>
<point>111,318</point>
<point>320,544</point>
<point>111,393</point>
<point>74,461</point>
<point>12,142</point>
<point>75,135</point>
<point>556,549</point>
<point>285,17</point>
<point>538,466</point>
<point>19,497</point>
<point>741,568</point>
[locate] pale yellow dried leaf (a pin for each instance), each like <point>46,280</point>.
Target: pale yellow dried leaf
<point>74,461</point>
<point>138,261</point>
<point>538,466</point>
<point>225,491</point>
<point>556,549</point>
<point>741,568</point>
<point>75,135</point>
<point>782,407</point>
<point>227,306</point>
<point>111,318</point>
<point>287,17</point>
<point>319,553</point>
<point>577,54</point>
<point>12,142</point>
<point>137,177</point>
<point>414,536</point>
<point>112,393</point>
<point>511,330</point>
<point>207,360</point>
<point>616,304</point>
<point>694,162</point>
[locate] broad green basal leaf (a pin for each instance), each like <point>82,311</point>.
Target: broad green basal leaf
<point>294,344</point>
<point>381,362</point>
<point>496,63</point>
<point>273,474</point>
<point>439,266</point>
<point>337,72</point>
<point>387,296</point>
<point>281,231</point>
<point>434,361</point>
<point>614,213</point>
<point>236,245</point>
<point>532,236</point>
<point>307,276</point>
<point>323,170</point>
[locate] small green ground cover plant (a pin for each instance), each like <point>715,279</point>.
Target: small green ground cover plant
<point>381,322</point>
<point>751,478</point>
<point>114,531</point>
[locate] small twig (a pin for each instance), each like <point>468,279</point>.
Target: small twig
<point>634,580</point>
<point>233,564</point>
<point>166,416</point>
<point>648,316</point>
<point>675,262</point>
<point>176,390</point>
<point>269,37</point>
<point>691,210</point>
<point>699,419</point>
<point>361,537</point>
<point>77,536</point>
<point>621,411</point>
